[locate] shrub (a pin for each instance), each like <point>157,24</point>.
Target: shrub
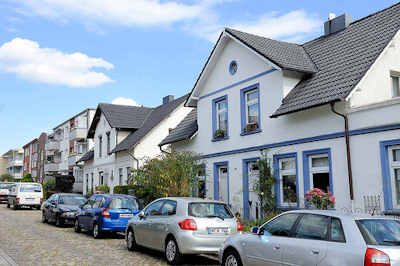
<point>27,178</point>
<point>123,189</point>
<point>7,177</point>
<point>49,188</point>
<point>103,189</point>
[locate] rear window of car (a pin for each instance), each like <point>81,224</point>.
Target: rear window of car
<point>209,210</point>
<point>71,200</point>
<point>123,203</point>
<point>382,232</point>
<point>30,188</point>
<point>5,186</point>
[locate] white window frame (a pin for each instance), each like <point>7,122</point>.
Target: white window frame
<point>318,170</point>
<point>251,102</point>
<point>393,165</point>
<point>220,111</point>
<point>283,173</point>
<point>392,77</point>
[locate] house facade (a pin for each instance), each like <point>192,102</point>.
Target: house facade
<point>14,165</point>
<point>324,114</point>
<point>124,137</point>
<point>34,158</point>
<point>66,145</point>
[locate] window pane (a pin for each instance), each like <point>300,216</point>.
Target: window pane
<point>252,111</point>
<point>395,86</point>
<point>289,189</point>
<point>397,181</point>
<point>321,181</point>
<point>380,232</point>
<point>337,233</point>
<point>221,105</point>
<point>253,95</point>
<point>313,227</point>
<point>200,209</point>
<point>222,122</point>
<point>320,162</point>
<point>154,209</point>
<point>288,164</point>
<point>169,208</point>
<point>281,226</point>
<point>396,155</point>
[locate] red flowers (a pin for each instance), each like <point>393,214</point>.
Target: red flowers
<point>320,199</point>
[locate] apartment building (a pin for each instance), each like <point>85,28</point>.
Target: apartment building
<point>3,165</point>
<point>14,164</point>
<point>66,145</point>
<point>34,158</point>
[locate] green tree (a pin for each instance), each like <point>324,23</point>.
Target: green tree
<point>169,175</point>
<point>7,177</point>
<point>27,178</point>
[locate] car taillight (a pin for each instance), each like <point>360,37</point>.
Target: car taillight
<point>239,226</point>
<point>17,199</point>
<point>188,224</point>
<point>105,213</point>
<point>374,257</point>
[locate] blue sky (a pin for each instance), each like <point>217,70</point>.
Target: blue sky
<point>58,57</point>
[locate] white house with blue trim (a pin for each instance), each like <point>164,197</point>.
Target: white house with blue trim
<point>325,114</point>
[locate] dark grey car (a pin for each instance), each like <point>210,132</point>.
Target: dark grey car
<point>326,238</point>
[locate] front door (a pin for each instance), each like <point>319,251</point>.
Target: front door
<point>223,184</point>
<point>253,174</point>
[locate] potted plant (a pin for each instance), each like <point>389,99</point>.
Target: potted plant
<point>319,199</point>
<point>219,134</point>
<point>251,126</point>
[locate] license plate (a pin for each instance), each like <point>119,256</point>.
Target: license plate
<point>29,199</point>
<point>126,215</point>
<point>218,231</point>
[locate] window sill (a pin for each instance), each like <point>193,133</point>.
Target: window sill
<point>244,133</point>
<point>219,139</point>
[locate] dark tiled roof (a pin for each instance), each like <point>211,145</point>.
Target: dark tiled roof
<point>120,116</point>
<point>87,156</point>
<point>156,116</point>
<point>342,60</point>
<point>185,129</point>
<point>289,56</point>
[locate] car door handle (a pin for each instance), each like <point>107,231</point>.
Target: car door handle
<point>315,252</point>
<point>277,247</point>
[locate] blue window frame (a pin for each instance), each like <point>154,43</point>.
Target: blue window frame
<point>284,171</point>
<point>246,184</point>
<point>250,110</point>
<point>388,170</point>
<point>220,117</point>
<point>219,169</point>
<point>322,166</point>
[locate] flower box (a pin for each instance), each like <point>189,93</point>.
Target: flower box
<point>251,127</point>
<point>219,134</point>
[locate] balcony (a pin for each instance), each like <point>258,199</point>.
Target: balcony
<point>14,163</point>
<point>77,133</point>
<point>51,167</point>
<point>52,145</point>
<point>73,158</point>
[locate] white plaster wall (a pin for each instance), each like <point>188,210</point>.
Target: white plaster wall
<point>376,85</point>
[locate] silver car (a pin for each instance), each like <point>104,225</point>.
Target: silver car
<point>180,226</point>
<point>317,238</point>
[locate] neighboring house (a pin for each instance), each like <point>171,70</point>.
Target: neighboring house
<point>124,137</point>
<point>41,157</point>
<point>258,97</point>
<point>66,145</point>
<point>14,164</point>
<point>3,165</point>
<point>31,158</point>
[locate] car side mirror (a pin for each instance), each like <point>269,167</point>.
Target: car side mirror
<point>141,215</point>
<point>261,231</point>
<point>254,230</point>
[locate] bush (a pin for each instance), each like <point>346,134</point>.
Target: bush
<point>49,188</point>
<point>104,189</point>
<point>27,178</point>
<point>7,177</point>
<point>123,189</point>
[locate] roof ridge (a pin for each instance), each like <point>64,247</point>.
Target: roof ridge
<point>292,43</point>
<point>123,105</point>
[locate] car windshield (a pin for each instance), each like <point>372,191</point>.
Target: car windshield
<point>382,232</point>
<point>74,200</point>
<point>31,188</point>
<point>209,209</point>
<point>124,203</point>
<point>5,186</point>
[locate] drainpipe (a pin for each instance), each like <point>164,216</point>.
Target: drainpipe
<point>347,137</point>
<point>164,151</point>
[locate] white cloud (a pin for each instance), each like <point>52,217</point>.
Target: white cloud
<point>29,61</point>
<point>124,101</point>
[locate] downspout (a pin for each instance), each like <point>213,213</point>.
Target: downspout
<point>347,137</point>
<point>163,151</point>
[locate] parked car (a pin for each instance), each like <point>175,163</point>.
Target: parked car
<point>180,226</point>
<point>5,190</point>
<point>106,213</point>
<point>25,195</point>
<point>62,208</point>
<point>317,238</point>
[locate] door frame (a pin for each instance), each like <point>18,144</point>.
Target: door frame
<point>217,166</point>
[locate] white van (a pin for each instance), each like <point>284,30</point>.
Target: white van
<point>25,194</point>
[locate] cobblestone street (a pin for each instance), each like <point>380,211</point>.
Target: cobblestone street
<point>25,240</point>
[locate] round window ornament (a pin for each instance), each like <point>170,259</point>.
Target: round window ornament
<point>233,67</point>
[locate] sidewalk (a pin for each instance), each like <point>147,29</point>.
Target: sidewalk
<point>6,260</point>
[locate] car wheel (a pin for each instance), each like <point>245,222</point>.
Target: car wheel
<point>38,207</point>
<point>231,258</point>
<point>131,241</point>
<point>15,207</point>
<point>59,221</point>
<point>44,219</point>
<point>96,232</point>
<point>77,228</point>
<point>8,205</point>
<point>172,253</point>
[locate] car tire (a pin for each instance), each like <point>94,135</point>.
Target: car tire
<point>44,219</point>
<point>172,253</point>
<point>15,207</point>
<point>77,227</point>
<point>131,241</point>
<point>231,258</point>
<point>8,205</point>
<point>59,221</point>
<point>37,208</point>
<point>96,232</point>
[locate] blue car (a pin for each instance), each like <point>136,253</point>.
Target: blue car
<point>106,213</point>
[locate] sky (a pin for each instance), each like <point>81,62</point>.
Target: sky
<point>59,57</point>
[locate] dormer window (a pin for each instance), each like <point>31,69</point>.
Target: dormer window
<point>395,85</point>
